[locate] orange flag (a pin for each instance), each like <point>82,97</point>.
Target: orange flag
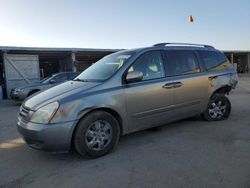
<point>190,19</point>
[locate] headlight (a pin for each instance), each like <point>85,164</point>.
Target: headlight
<point>45,114</point>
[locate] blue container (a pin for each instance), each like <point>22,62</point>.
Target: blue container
<point>1,93</point>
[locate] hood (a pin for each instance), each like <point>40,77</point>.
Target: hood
<point>63,90</point>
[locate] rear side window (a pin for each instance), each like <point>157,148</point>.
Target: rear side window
<point>214,60</point>
<point>182,62</point>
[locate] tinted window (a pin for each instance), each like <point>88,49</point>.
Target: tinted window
<point>150,64</point>
<point>214,60</point>
<point>182,62</point>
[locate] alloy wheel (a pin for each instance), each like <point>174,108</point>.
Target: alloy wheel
<point>217,109</point>
<point>98,135</point>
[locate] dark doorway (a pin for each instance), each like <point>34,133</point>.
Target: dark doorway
<point>49,67</point>
<point>242,65</point>
<point>2,80</point>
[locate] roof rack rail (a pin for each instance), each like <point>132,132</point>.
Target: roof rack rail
<point>183,44</point>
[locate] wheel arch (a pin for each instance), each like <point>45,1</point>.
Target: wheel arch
<point>222,90</point>
<point>105,109</point>
<point>33,91</point>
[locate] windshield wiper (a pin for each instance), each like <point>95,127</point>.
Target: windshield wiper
<point>80,80</point>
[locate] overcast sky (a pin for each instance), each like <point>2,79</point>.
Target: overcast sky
<point>224,24</point>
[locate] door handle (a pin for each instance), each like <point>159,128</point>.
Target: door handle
<point>212,77</point>
<point>168,86</point>
<point>177,84</point>
<point>172,85</point>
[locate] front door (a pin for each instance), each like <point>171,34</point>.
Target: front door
<point>149,101</point>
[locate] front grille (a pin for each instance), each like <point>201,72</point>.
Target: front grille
<point>24,113</point>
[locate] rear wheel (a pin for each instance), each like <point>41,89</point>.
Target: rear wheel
<point>96,134</point>
<point>219,108</point>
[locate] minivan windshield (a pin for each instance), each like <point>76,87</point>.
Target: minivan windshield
<point>47,79</point>
<point>105,67</point>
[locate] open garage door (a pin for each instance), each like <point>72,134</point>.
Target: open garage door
<point>20,70</point>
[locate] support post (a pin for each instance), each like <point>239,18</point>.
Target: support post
<point>73,61</point>
<point>232,58</point>
<point>248,62</point>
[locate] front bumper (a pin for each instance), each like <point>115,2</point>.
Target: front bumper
<point>51,137</point>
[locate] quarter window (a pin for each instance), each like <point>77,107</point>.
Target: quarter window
<point>182,62</point>
<point>214,60</point>
<point>150,64</point>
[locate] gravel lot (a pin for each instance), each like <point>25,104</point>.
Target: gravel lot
<point>189,153</point>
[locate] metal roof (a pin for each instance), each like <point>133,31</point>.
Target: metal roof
<point>15,48</point>
<point>236,51</point>
<point>57,49</point>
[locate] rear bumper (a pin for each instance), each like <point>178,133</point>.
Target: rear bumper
<point>234,80</point>
<point>52,137</point>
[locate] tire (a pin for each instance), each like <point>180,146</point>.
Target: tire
<point>219,108</point>
<point>96,134</point>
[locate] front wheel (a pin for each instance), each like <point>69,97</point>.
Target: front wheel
<point>219,108</point>
<point>96,134</point>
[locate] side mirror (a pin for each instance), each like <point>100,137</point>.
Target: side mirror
<point>52,81</point>
<point>134,76</point>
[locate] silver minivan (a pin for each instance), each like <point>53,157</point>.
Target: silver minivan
<point>128,91</point>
